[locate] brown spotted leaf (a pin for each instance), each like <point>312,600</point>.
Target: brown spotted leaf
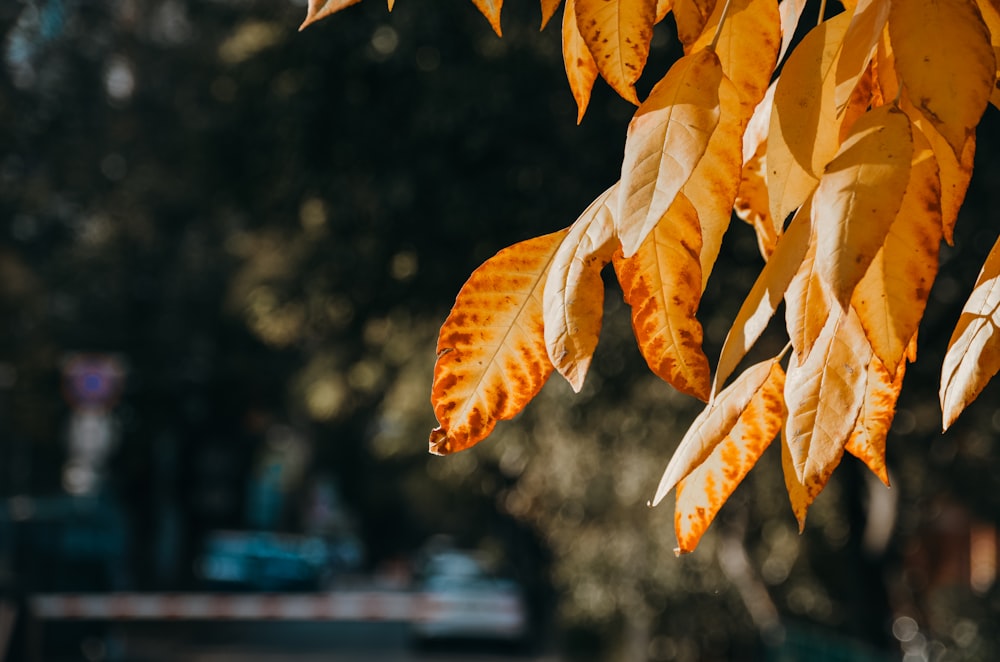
<point>581,70</point>
<point>549,8</point>
<point>618,32</point>
<point>859,44</point>
<point>662,284</point>
<point>573,302</point>
<point>867,442</point>
<point>706,488</point>
<point>691,17</point>
<point>491,349</point>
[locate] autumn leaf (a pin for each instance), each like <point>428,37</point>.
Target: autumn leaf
<point>549,8</point>
<point>491,10</point>
<point>790,12</point>
<point>950,85</point>
<point>751,204</point>
<point>973,355</point>
<point>662,284</point>
<point>717,420</point>
<point>823,395</point>
<point>581,70</point>
<point>858,197</point>
<point>666,139</point>
<point>691,16</point>
<point>990,12</point>
<point>320,9</point>
<point>860,40</point>
<point>706,488</point>
<point>618,32</point>
<point>804,131</point>
<point>663,8</point>
<point>491,349</point>
<point>574,290</point>
<point>807,303</point>
<point>878,408</point>
<point>890,298</point>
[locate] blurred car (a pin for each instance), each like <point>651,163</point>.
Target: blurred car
<point>458,599</point>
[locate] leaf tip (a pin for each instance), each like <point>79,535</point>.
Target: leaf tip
<point>439,442</point>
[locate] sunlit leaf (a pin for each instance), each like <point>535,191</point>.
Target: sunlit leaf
<point>751,204</point>
<point>867,442</point>
<point>573,302</point>
<point>790,12</point>
<point>491,349</point>
<point>859,196</point>
<point>666,139</point>
<point>618,32</point>
<point>391,3</point>
<point>974,349</point>
<point>715,423</point>
<point>491,10</point>
<point>807,302</point>
<point>320,9</point>
<point>549,8</point>
<point>691,17</point>
<point>891,296</point>
<point>663,8</point>
<point>945,60</point>
<point>860,40</point>
<point>581,70</point>
<point>702,492</point>
<point>662,284</point>
<point>805,127</point>
<point>823,396</point>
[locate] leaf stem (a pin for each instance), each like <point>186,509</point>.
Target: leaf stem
<point>722,21</point>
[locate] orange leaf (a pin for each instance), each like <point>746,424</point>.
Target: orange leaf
<point>807,304</point>
<point>790,12</point>
<point>891,297</point>
<point>491,349</point>
<point>573,302</point>
<point>950,85</point>
<point>761,303</point>
<point>973,355</point>
<point>859,196</point>
<point>666,139</point>
<point>663,8</point>
<point>878,408</point>
<point>717,420</point>
<point>662,284</point>
<point>392,3</point>
<point>860,40</point>
<point>805,129</point>
<point>549,8</point>
<point>691,17</point>
<point>491,10</point>
<point>747,47</point>
<point>824,396</point>
<point>618,32</point>
<point>581,70</point>
<point>751,204</point>
<point>320,9</point>
<point>702,492</point>
<point>990,11</point>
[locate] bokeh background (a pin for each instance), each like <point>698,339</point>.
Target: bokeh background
<point>226,248</point>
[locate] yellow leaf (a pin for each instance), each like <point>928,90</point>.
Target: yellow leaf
<point>691,17</point>
<point>702,492</point>
<point>581,70</point>
<point>951,85</point>
<point>573,302</point>
<point>392,3</point>
<point>751,204</point>
<point>617,32</point>
<point>662,284</point>
<point>878,408</point>
<point>973,355</point>
<point>747,47</point>
<point>666,139</point>
<point>807,304</point>
<point>790,12</point>
<point>320,9</point>
<point>715,181</point>
<point>805,127</point>
<point>860,40</point>
<point>824,396</point>
<point>766,294</point>
<point>886,80</point>
<point>549,8</point>
<point>663,8</point>
<point>491,349</point>
<point>717,420</point>
<point>491,10</point>
<point>859,196</point>
<point>891,297</point>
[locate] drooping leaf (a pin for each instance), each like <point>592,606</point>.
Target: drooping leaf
<point>747,47</point>
<point>691,17</point>
<point>790,12</point>
<point>581,70</point>
<point>990,11</point>
<point>702,492</point>
<point>391,3</point>
<point>823,395</point>
<point>859,196</point>
<point>973,355</point>
<point>491,10</point>
<point>950,85</point>
<point>807,302</point>
<point>890,298</point>
<point>663,8</point>
<point>320,9</point>
<point>714,424</point>
<point>618,32</point>
<point>804,132</point>
<point>860,40</point>
<point>662,284</point>
<point>713,185</point>
<point>549,8</point>
<point>766,294</point>
<point>666,139</point>
<point>751,204</point>
<point>573,302</point>
<point>491,349</point>
<point>878,408</point>
<point>886,80</point>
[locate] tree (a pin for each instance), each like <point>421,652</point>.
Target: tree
<point>850,158</point>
